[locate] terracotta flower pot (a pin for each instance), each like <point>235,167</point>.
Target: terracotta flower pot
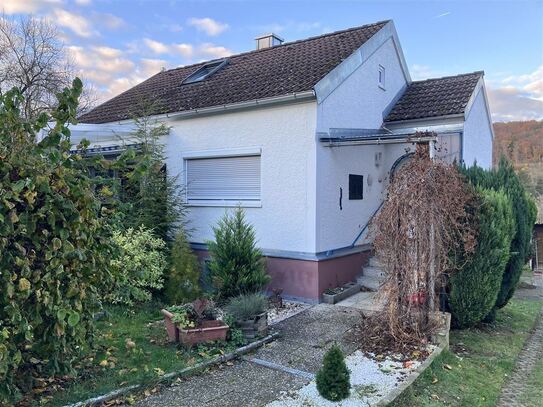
<point>207,332</point>
<point>171,329</point>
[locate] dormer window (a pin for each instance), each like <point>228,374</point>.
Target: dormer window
<point>205,71</point>
<point>381,79</point>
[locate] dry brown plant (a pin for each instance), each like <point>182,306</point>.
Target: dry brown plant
<point>423,223</point>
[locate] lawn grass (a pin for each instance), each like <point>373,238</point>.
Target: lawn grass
<point>151,357</point>
<point>533,397</point>
<point>478,363</point>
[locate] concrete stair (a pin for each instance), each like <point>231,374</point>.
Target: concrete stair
<point>372,275</point>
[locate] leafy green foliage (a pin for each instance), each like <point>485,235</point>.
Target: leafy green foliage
<point>182,284</point>
<point>333,379</point>
<point>474,289</point>
<point>193,314</point>
<point>236,265</point>
<point>140,264</point>
<point>524,213</point>
<point>54,246</point>
<point>247,306</point>
<point>151,196</point>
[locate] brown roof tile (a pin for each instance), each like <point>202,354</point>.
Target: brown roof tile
<point>281,70</point>
<point>435,97</point>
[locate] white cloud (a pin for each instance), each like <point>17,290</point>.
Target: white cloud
<point>443,14</point>
<point>110,21</point>
<point>26,6</point>
<point>186,50</point>
<point>83,2</point>
<point>508,104</point>
<point>208,25</point>
<point>421,72</point>
<point>516,97</point>
<point>213,51</point>
<point>149,67</point>
<point>74,22</point>
<point>156,46</point>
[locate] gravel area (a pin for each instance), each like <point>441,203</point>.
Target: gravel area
<point>289,309</point>
<point>371,380</point>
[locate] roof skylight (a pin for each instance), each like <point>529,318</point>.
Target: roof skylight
<point>205,71</point>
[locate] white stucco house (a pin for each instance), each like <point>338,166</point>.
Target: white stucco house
<point>303,135</point>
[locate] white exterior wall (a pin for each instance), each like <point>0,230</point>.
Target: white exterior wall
<point>358,102</point>
<point>477,137</point>
<point>286,137</point>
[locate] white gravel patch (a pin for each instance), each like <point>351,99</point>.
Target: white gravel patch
<point>289,309</point>
<point>371,381</point>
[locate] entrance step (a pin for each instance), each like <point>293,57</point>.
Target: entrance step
<point>376,272</point>
<point>371,283</point>
<point>374,262</point>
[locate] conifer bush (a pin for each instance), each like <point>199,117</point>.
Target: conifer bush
<point>333,379</point>
<point>475,288</point>
<point>236,265</point>
<point>182,283</point>
<point>524,214</point>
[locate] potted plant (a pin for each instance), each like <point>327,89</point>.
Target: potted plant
<point>334,295</point>
<point>194,323</point>
<point>250,314</point>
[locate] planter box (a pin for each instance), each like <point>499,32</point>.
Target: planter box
<point>171,329</point>
<point>255,327</point>
<point>207,332</point>
<point>348,290</point>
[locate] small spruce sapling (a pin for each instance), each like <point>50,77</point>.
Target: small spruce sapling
<point>333,379</point>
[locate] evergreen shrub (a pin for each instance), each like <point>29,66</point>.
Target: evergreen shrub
<point>333,379</point>
<point>236,265</point>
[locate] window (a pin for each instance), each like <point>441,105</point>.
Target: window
<point>203,72</point>
<point>382,77</point>
<point>223,181</point>
<point>356,186</point>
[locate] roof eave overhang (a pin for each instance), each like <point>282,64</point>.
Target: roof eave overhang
<point>426,120</point>
<point>296,97</point>
<point>377,140</point>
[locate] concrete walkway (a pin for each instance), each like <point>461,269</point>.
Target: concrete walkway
<point>284,365</point>
<point>531,353</point>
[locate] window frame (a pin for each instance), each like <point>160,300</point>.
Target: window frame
<point>218,65</point>
<point>360,178</point>
<point>381,75</point>
<point>223,153</point>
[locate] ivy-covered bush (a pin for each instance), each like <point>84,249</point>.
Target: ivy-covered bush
<point>140,266</point>
<point>182,281</point>
<point>54,246</point>
<point>475,288</point>
<point>236,265</point>
<point>524,214</point>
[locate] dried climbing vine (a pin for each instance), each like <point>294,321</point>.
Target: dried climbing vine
<point>424,222</point>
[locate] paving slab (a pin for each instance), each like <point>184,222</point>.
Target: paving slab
<point>365,301</point>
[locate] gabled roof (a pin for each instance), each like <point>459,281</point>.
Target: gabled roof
<point>435,97</point>
<point>281,70</point>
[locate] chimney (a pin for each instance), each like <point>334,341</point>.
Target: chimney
<point>268,41</point>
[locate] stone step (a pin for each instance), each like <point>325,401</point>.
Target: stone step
<point>371,283</point>
<point>374,262</point>
<point>372,271</point>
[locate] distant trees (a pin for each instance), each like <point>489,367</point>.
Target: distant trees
<point>520,142</point>
<point>34,59</point>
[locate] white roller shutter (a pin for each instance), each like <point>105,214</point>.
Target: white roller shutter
<point>223,179</point>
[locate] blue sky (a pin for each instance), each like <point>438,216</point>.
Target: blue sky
<point>118,43</point>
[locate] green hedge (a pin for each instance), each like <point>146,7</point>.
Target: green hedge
<point>524,214</point>
<point>475,288</point>
<point>54,247</point>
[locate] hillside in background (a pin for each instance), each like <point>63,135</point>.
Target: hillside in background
<point>522,144</point>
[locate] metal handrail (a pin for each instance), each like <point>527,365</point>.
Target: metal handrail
<point>367,223</point>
